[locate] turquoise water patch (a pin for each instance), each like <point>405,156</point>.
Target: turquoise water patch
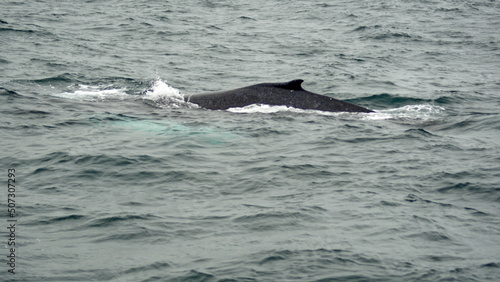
<point>206,134</point>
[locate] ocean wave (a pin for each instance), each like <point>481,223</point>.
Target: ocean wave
<point>8,92</point>
<point>17,30</point>
<point>107,221</point>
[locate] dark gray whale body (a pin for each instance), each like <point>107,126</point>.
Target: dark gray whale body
<point>276,94</point>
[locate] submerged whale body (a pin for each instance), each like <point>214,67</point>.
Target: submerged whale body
<point>276,94</point>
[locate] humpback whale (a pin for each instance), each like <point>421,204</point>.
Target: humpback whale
<point>275,94</point>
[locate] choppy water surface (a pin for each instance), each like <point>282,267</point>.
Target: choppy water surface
<point>118,180</point>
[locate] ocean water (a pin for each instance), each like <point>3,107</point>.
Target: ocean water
<point>117,179</point>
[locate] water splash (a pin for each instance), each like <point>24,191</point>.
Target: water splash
<point>162,95</point>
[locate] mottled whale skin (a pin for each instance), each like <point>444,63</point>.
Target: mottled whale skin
<point>276,94</point>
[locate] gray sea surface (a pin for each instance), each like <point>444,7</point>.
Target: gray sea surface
<point>118,179</point>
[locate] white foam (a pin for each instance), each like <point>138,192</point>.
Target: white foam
<point>408,113</point>
<point>268,109</point>
<point>261,108</point>
<point>165,96</point>
<point>95,93</point>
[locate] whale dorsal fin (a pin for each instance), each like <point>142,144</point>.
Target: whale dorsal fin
<point>293,85</point>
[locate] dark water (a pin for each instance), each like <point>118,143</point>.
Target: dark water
<point>118,181</point>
